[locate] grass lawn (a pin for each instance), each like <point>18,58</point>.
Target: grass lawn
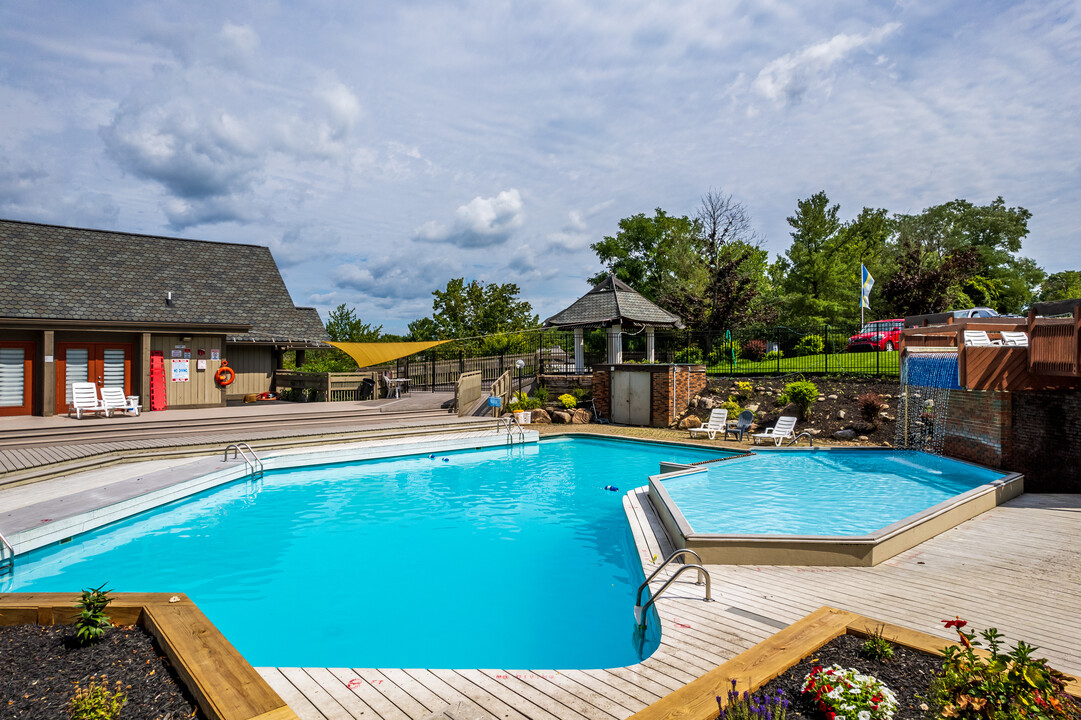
<point>862,363</point>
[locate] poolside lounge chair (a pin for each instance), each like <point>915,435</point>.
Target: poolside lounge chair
<point>978,338</point>
<point>114,399</point>
<point>1015,339</point>
<point>784,428</point>
<point>84,399</point>
<point>740,426</point>
<point>718,418</point>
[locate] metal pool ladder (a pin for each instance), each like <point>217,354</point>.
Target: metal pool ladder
<point>7,556</point>
<point>703,576</point>
<point>252,463</point>
<point>509,422</point>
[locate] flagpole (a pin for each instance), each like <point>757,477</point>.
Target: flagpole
<point>861,296</point>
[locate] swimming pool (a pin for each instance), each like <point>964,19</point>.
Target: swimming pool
<point>822,506</point>
<point>514,557</point>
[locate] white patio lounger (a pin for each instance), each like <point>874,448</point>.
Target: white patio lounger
<point>718,417</point>
<point>978,338</point>
<point>1016,339</point>
<point>84,399</point>
<point>784,428</point>
<point>114,399</point>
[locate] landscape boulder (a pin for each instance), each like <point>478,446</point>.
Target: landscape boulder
<point>561,417</point>
<point>846,434</point>
<point>540,416</point>
<point>581,417</point>
<point>689,422</point>
<point>705,403</point>
<point>841,414</point>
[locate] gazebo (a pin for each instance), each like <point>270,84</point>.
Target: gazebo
<point>615,305</point>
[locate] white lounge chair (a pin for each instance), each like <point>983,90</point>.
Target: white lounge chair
<point>114,399</point>
<point>1015,339</point>
<point>84,399</point>
<point>718,417</point>
<point>784,428</point>
<point>978,338</point>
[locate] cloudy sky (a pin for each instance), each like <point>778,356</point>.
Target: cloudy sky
<point>381,148</point>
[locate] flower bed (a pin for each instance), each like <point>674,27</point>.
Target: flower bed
<point>805,640</point>
<point>223,684</point>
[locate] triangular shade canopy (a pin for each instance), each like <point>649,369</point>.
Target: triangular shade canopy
<point>612,302</point>
<point>368,354</point>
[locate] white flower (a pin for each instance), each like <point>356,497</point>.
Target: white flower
<point>864,715</point>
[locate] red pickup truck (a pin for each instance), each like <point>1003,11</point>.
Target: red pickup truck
<point>877,335</point>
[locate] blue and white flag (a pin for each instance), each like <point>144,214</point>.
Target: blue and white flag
<point>868,283</point>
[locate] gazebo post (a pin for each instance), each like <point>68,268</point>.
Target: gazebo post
<point>579,353</point>
<point>651,348</point>
<point>615,344</point>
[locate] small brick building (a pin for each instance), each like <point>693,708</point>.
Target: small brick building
<point>653,395</point>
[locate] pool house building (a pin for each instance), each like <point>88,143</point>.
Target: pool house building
<point>117,309</point>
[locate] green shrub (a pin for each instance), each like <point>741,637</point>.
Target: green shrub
<point>744,389</point>
<point>732,407</point>
<point>96,702</point>
<point>802,392</point>
<point>579,393</point>
<point>691,355</point>
<point>809,345</point>
<point>92,622</point>
<point>541,393</point>
<point>754,350</point>
<point>774,355</point>
<point>877,646</point>
<point>1004,685</point>
<point>568,400</point>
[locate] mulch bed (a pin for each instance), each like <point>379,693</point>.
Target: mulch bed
<point>40,664</point>
<point>908,675</point>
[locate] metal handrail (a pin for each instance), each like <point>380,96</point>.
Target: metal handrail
<point>510,422</point>
<point>662,566</point>
<point>241,450</point>
<point>9,564</point>
<point>640,610</point>
<point>810,439</point>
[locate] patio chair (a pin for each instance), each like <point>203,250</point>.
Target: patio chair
<point>114,399</point>
<point>1014,339</point>
<point>718,418</point>
<point>978,338</point>
<point>84,399</point>
<point>740,426</point>
<point>784,428</point>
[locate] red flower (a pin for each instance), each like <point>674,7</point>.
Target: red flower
<point>831,715</point>
<point>958,623</point>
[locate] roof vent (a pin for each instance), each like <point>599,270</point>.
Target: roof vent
<point>169,298</point>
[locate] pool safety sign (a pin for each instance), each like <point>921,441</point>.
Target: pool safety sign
<point>181,370</point>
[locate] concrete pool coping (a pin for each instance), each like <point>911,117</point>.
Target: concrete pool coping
<point>827,550</point>
<point>58,519</point>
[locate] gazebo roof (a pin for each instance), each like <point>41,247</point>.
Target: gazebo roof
<point>610,302</point>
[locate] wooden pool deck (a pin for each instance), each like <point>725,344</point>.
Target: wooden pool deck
<point>1016,567</point>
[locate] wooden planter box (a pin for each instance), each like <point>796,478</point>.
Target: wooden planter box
<point>223,683</point>
<point>754,668</point>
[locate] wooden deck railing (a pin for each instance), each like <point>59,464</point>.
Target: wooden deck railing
<point>311,386</point>
<point>467,391</point>
<point>503,387</point>
<point>1054,344</point>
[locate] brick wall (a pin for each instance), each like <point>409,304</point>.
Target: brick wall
<point>660,398</point>
<point>978,427</point>
<point>1046,440</point>
<point>602,389</point>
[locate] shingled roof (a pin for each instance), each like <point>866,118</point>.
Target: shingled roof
<point>612,301</point>
<point>61,273</point>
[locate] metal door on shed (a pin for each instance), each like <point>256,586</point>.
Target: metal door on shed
<point>630,398</point>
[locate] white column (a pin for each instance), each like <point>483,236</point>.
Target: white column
<point>651,347</point>
<point>579,353</point>
<point>615,345</point>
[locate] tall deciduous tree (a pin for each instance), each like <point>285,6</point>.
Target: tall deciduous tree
<point>654,255</point>
<point>464,309</point>
<point>1065,285</point>
<point>343,325</point>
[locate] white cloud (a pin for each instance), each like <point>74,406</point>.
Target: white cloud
<point>788,77</point>
<point>482,222</point>
<point>408,275</point>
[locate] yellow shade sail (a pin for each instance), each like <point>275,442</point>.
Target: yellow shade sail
<point>368,354</point>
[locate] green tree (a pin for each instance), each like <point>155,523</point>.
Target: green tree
<point>812,270</point>
<point>1065,285</point>
<point>463,310</point>
<point>654,255</point>
<point>343,325</point>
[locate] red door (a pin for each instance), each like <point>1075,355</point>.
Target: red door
<point>104,364</point>
<point>16,377</point>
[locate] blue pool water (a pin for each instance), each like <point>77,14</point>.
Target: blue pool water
<point>838,492</point>
<point>501,558</point>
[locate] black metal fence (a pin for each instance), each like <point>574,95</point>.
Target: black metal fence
<point>772,350</point>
